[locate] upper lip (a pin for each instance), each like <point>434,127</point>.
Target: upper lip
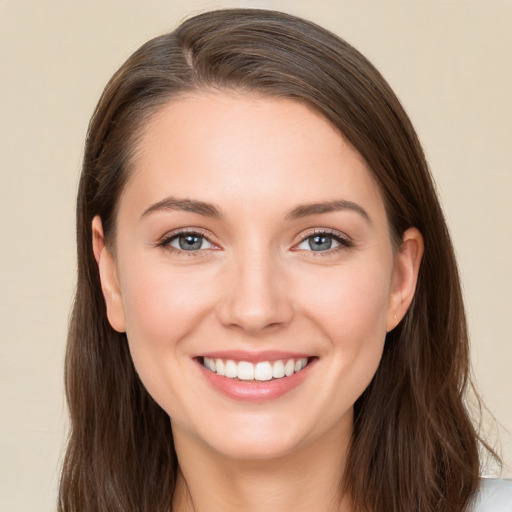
<point>254,357</point>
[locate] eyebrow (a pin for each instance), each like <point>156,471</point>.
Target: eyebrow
<point>210,210</point>
<point>187,205</point>
<point>306,210</point>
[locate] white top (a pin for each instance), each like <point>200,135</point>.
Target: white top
<point>495,495</point>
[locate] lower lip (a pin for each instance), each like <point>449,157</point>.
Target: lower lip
<point>255,391</point>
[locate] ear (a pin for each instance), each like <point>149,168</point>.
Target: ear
<point>108,277</point>
<point>405,276</point>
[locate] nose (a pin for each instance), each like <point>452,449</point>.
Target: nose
<point>256,297</point>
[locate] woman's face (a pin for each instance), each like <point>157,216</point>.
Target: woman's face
<point>251,234</point>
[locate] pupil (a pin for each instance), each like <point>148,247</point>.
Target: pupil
<point>320,243</point>
<point>190,242</point>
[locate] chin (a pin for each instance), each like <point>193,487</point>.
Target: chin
<point>256,445</point>
<point>267,435</point>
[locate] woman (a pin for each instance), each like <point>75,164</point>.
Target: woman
<point>259,322</point>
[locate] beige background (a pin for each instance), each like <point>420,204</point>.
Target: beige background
<point>449,62</point>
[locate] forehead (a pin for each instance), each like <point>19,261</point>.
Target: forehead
<point>220,147</point>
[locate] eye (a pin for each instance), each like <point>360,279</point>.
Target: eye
<point>322,242</point>
<point>188,242</point>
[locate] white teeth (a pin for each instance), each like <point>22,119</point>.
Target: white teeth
<point>245,370</point>
<point>262,371</point>
<point>289,367</point>
<point>231,369</point>
<point>219,363</point>
<point>301,363</point>
<point>278,369</point>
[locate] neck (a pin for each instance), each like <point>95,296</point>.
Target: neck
<point>307,479</point>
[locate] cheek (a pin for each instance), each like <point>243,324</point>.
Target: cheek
<point>163,306</point>
<point>350,302</point>
<point>163,303</point>
<point>351,311</point>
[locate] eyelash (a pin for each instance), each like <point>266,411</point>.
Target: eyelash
<point>165,242</point>
<point>343,241</point>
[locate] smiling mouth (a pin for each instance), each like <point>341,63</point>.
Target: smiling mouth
<point>261,371</point>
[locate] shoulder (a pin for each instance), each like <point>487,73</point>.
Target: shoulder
<point>494,495</point>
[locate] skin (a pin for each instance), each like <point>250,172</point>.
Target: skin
<point>255,284</point>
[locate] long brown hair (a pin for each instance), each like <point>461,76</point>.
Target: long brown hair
<point>414,446</point>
